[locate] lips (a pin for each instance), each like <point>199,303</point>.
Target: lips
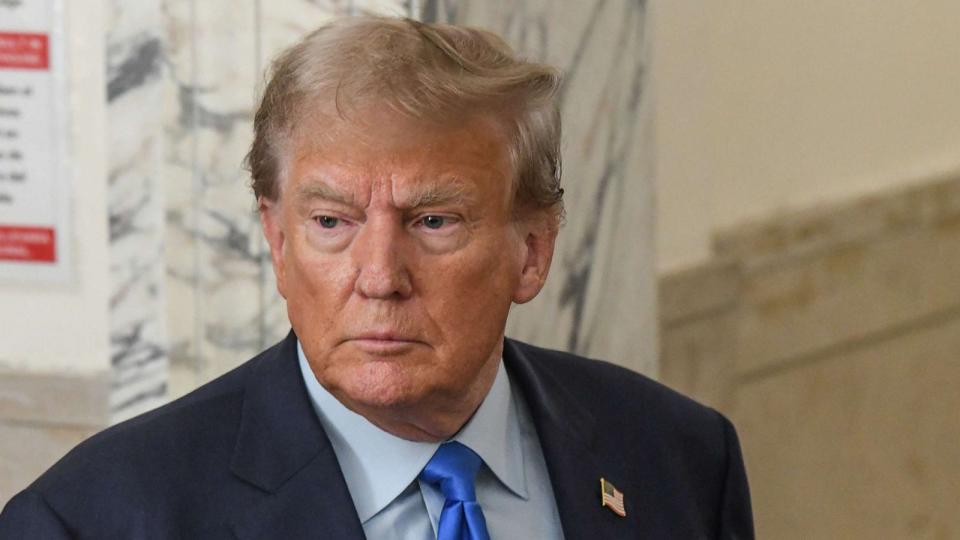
<point>382,336</point>
<point>383,343</point>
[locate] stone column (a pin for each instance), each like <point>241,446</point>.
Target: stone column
<point>135,207</point>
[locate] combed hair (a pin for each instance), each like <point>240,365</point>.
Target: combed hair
<point>426,71</point>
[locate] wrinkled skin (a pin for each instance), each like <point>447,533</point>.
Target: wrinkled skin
<point>396,247</point>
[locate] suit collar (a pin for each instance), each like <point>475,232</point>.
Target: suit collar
<point>568,438</point>
<point>555,407</point>
<point>277,436</point>
<point>282,449</point>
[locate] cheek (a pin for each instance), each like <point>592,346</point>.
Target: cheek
<point>470,294</point>
<point>316,285</point>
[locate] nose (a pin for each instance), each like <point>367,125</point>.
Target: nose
<point>378,252</point>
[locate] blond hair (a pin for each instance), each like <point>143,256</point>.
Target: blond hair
<point>435,71</point>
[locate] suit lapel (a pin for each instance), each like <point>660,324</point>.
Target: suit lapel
<point>567,432</point>
<point>282,449</point>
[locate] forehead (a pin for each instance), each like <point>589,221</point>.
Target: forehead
<point>380,146</point>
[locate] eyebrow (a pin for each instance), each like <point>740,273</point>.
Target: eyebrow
<point>452,190</point>
<point>321,190</point>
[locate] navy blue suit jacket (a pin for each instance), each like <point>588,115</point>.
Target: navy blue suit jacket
<point>246,457</point>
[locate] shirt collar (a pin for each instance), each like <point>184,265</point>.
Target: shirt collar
<point>494,434</point>
<point>378,466</point>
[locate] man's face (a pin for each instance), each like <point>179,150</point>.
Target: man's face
<point>395,247</point>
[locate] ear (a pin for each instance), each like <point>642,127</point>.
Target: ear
<point>539,238</point>
<point>271,221</point>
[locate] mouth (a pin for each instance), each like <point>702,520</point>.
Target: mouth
<point>383,343</point>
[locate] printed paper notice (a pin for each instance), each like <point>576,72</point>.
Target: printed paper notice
<point>34,199</point>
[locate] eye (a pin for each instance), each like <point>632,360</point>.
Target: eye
<point>327,222</point>
<point>433,222</point>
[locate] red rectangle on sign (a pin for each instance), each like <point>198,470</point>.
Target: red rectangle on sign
<point>31,244</point>
<point>24,51</point>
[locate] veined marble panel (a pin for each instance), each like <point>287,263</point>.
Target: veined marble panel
<point>282,22</point>
<point>180,192</point>
<point>600,298</point>
<point>219,110</point>
<point>213,267</point>
<point>134,45</point>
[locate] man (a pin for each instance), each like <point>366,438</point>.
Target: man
<point>407,177</point>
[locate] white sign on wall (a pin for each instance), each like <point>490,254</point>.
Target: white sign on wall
<point>34,194</point>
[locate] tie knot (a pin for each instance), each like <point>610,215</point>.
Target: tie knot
<point>454,468</point>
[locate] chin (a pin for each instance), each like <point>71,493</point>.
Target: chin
<point>382,385</point>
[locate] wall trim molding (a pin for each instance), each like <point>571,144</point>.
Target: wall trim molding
<point>53,399</point>
<point>779,239</point>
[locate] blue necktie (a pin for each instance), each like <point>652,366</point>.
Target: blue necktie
<point>454,469</point>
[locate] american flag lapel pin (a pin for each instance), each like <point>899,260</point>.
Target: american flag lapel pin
<point>611,498</point>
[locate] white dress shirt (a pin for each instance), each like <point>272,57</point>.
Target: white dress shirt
<point>381,470</point>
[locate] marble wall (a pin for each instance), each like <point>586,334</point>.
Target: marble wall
<point>135,206</point>
<point>213,248</point>
<point>222,303</point>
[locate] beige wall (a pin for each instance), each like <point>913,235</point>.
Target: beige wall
<point>767,106</point>
<point>831,337</point>
<point>808,213</point>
